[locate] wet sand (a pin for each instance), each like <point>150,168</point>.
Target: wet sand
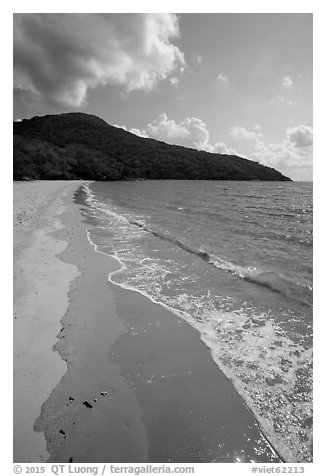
<point>140,386</point>
<point>41,284</point>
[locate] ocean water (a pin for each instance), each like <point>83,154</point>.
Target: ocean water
<point>233,259</point>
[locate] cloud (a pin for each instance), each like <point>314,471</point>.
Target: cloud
<point>286,97</point>
<point>133,130</point>
<point>222,79</point>
<point>137,132</point>
<point>283,155</point>
<point>292,155</point>
<point>287,83</point>
<point>294,151</point>
<point>221,148</point>
<point>59,57</point>
<point>242,133</point>
<point>301,136</point>
<point>191,132</point>
<point>174,81</point>
<point>163,128</point>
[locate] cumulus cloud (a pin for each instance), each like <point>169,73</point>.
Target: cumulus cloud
<point>191,132</point>
<point>283,155</point>
<point>221,148</point>
<point>291,155</point>
<point>133,130</point>
<point>59,57</point>
<point>294,151</point>
<point>242,133</point>
<point>137,132</point>
<point>167,129</point>
<point>301,136</point>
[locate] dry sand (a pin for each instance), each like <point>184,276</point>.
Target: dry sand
<point>140,384</point>
<point>41,284</point>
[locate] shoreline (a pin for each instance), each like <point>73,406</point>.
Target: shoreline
<point>140,385</point>
<point>41,284</point>
<point>178,315</point>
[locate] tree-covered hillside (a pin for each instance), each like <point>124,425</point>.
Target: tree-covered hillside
<point>82,146</point>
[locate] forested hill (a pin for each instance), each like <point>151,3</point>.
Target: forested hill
<point>82,146</point>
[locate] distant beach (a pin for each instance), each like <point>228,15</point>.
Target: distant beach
<point>102,374</point>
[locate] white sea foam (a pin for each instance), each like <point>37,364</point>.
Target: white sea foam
<point>268,369</point>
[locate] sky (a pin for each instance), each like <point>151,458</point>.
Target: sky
<point>237,83</point>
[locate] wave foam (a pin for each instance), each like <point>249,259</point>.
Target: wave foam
<point>268,370</point>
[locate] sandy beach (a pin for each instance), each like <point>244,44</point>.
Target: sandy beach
<point>102,374</point>
<point>41,283</point>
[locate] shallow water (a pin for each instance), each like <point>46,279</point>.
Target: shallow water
<point>234,259</point>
